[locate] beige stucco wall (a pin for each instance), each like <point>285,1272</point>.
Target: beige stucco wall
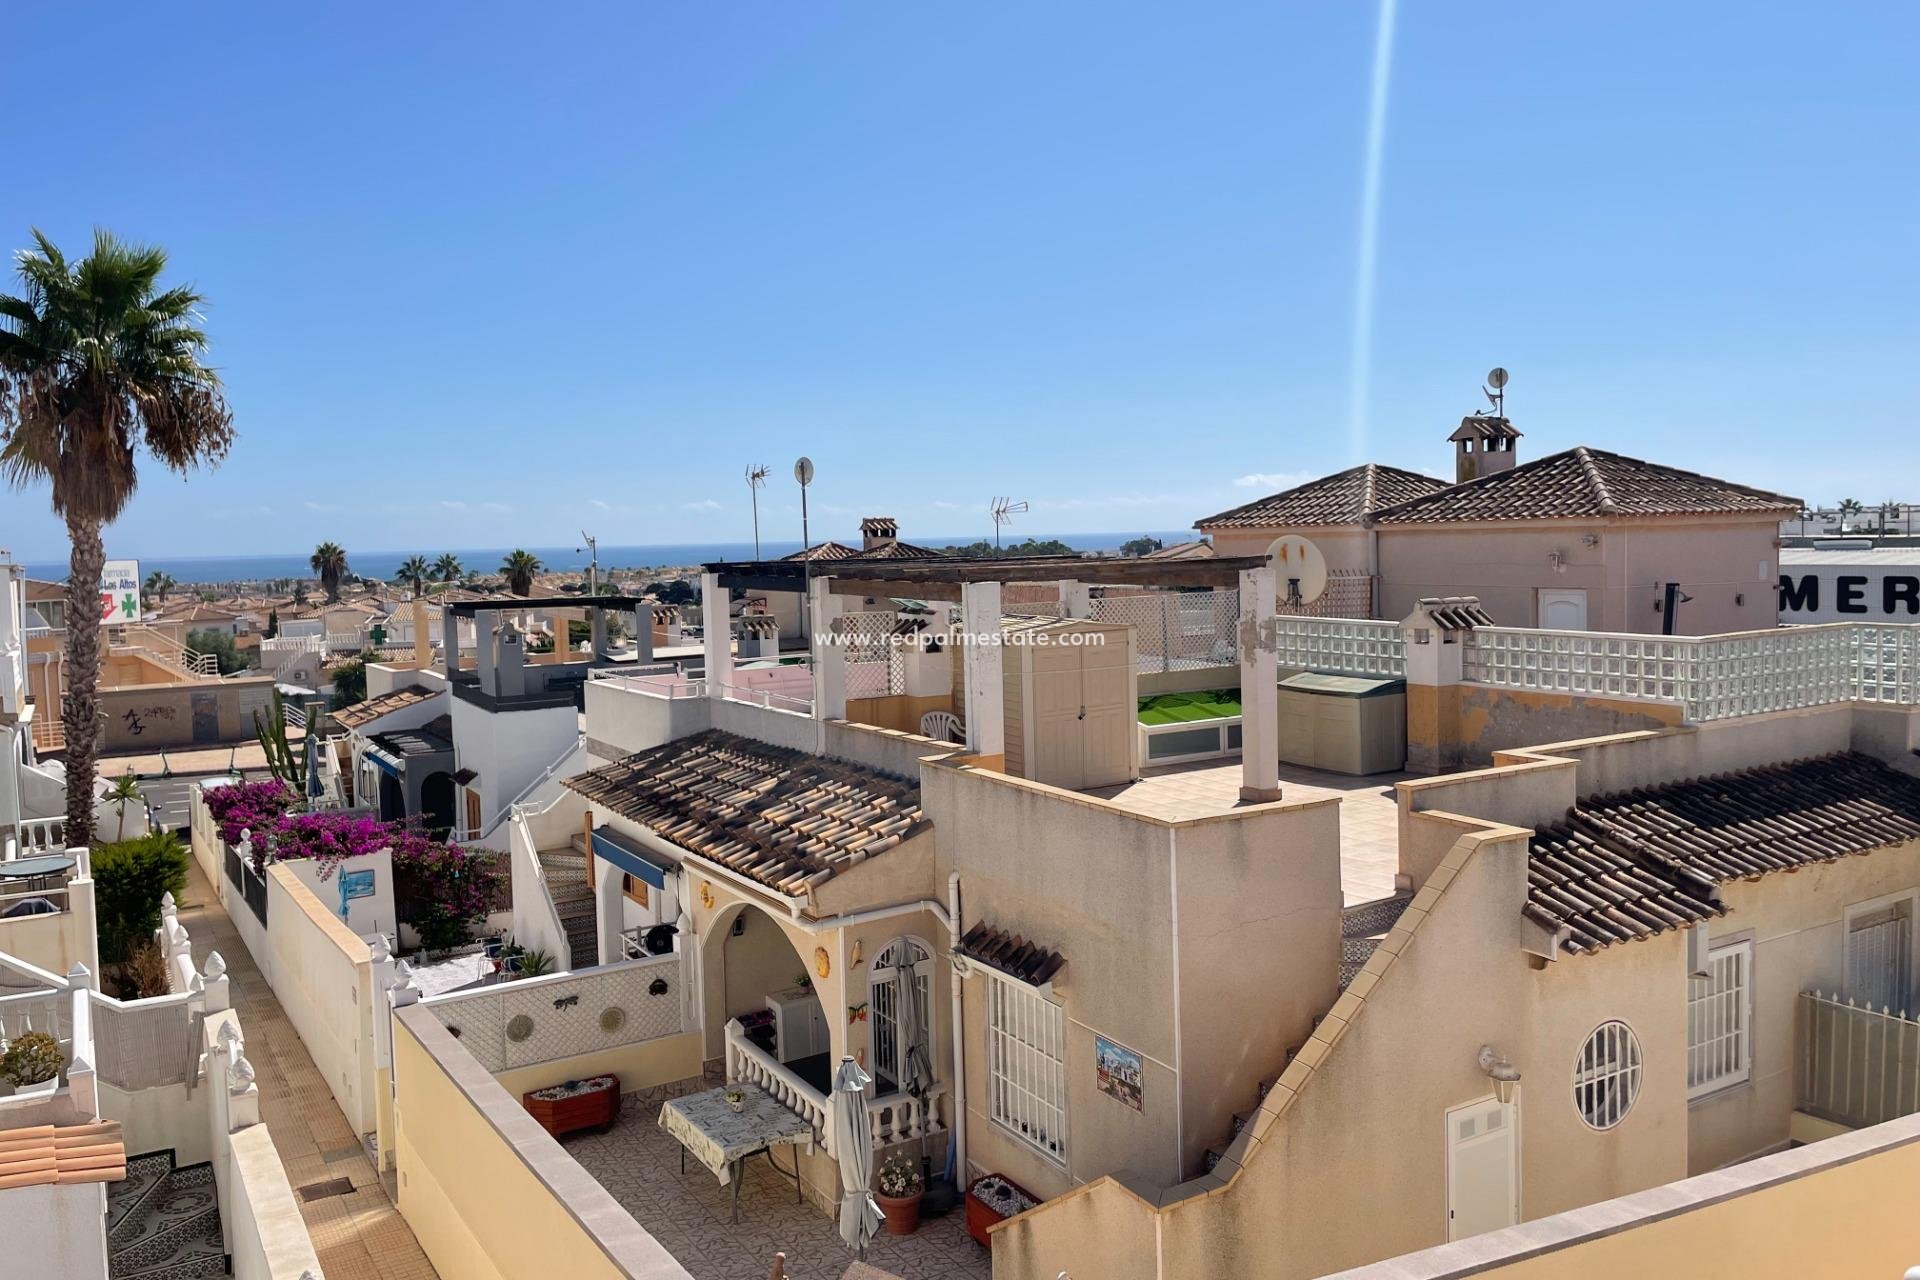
<point>1842,1207</point>
<point>488,1193</point>
<point>1796,924</point>
<point>322,975</point>
<point>165,713</point>
<point>1506,565</point>
<point>1344,546</point>
<point>1347,1162</point>
<point>1257,891</point>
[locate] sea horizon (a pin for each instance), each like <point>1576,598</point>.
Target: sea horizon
<point>383,565</point>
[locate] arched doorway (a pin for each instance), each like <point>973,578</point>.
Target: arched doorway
<point>745,957</point>
<point>436,804</point>
<point>393,798</point>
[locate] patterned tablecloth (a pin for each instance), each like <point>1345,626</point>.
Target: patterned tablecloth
<point>717,1136</point>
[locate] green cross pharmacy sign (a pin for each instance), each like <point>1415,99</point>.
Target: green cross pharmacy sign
<point>120,592</point>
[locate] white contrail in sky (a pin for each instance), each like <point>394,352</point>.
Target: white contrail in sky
<point>1362,370</point>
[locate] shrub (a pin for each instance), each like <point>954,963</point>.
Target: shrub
<point>33,1058</point>
<point>226,653</point>
<point>146,971</point>
<point>328,838</point>
<point>900,1177</point>
<point>249,806</point>
<point>449,889</point>
<point>129,879</point>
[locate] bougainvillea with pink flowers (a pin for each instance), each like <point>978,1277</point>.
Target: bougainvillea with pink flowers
<point>248,806</point>
<point>444,890</point>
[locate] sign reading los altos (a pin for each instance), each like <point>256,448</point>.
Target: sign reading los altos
<point>120,591</point>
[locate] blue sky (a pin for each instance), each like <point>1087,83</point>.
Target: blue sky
<point>482,274</point>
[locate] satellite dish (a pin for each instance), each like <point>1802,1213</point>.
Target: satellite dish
<point>1497,378</point>
<point>1300,568</point>
<point>803,471</point>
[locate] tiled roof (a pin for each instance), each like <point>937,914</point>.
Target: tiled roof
<point>1342,498</point>
<point>1011,954</point>
<point>1480,426</point>
<point>1198,549</point>
<point>43,1154</point>
<point>786,818</point>
<point>1629,866</point>
<point>372,709</point>
<point>1457,613</point>
<point>885,551</point>
<point>1583,483</point>
<point>431,738</point>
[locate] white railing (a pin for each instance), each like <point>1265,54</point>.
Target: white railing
<point>749,1062</point>
<point>290,653</point>
<point>661,685</point>
<point>529,877</point>
<point>1344,646</point>
<point>43,835</point>
<point>578,745</point>
<point>168,651</point>
<point>768,698</point>
<point>46,1011</point>
<point>900,1117</point>
<point>1713,677</point>
<point>1858,1066</point>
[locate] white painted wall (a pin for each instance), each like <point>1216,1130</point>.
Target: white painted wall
<point>365,916</point>
<point>55,1231</point>
<point>508,749</point>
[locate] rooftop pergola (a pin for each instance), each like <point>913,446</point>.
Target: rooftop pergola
<point>974,584</point>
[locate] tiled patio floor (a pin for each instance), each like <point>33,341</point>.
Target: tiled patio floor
<point>360,1235</point>
<point>1369,816</point>
<point>687,1213</point>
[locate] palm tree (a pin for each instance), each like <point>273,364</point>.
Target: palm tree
<point>329,560</point>
<point>518,569</point>
<point>299,593</point>
<point>414,572</point>
<point>158,584</point>
<point>96,360</point>
<point>447,568</point>
<point>124,791</point>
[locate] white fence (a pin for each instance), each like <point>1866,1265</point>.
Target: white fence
<point>1347,646</point>
<point>1858,1066</point>
<point>1177,630</point>
<point>535,1020</point>
<point>1713,677</point>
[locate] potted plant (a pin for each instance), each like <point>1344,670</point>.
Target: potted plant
<point>899,1193</point>
<point>736,1098</point>
<point>33,1058</point>
<point>992,1198</point>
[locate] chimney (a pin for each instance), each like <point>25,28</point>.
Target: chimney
<point>1482,446</point>
<point>878,531</point>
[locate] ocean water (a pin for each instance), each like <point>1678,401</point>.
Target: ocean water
<point>384,564</point>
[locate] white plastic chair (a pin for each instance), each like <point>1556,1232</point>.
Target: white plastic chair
<point>942,725</point>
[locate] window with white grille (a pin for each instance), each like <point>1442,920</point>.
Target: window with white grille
<point>1606,1075</point>
<point>1720,1020</point>
<point>1026,1067</point>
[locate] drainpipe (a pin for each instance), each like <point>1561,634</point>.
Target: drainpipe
<point>959,1094</point>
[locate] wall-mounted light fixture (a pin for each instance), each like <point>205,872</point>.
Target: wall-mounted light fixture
<point>1505,1076</point>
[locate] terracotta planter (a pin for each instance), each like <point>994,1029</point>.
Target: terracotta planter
<point>981,1215</point>
<point>903,1213</point>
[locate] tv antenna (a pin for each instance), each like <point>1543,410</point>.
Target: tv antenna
<point>1495,391</point>
<point>593,569</point>
<point>1004,510</point>
<point>756,477</point>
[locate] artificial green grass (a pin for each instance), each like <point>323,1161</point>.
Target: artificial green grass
<point>1179,708</point>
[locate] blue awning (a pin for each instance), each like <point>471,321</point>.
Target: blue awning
<point>637,862</point>
<point>387,764</point>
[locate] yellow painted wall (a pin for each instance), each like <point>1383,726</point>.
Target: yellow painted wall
<point>469,1186</point>
<point>639,1066</point>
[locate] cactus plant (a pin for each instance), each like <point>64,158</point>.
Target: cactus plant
<point>270,727</point>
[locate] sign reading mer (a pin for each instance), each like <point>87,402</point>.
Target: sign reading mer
<point>1849,593</point>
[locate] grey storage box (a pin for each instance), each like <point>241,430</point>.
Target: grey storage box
<point>1343,724</point>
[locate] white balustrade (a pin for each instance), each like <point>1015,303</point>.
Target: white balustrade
<point>42,835</point>
<point>1345,646</point>
<point>901,1117</point>
<point>747,1061</point>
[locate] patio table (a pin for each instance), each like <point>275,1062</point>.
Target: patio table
<point>723,1140</point>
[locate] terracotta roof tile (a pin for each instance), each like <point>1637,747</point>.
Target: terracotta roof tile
<point>786,818</point>
<point>886,551</point>
<point>1346,497</point>
<point>1583,483</point>
<point>1624,867</point>
<point>1198,549</point>
<point>1011,954</point>
<point>42,1154</point>
<point>362,713</point>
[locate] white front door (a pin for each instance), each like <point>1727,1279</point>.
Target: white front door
<point>1483,1168</point>
<point>1563,610</point>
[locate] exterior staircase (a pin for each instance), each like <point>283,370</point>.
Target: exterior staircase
<point>1362,926</point>
<point>163,1223</point>
<point>566,873</point>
